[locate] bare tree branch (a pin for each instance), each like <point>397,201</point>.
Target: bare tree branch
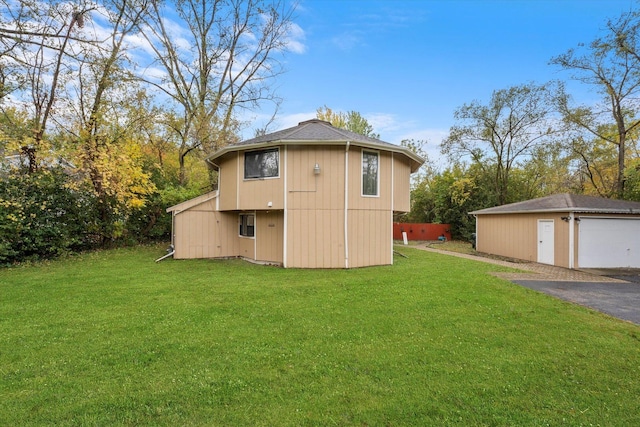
<point>222,59</point>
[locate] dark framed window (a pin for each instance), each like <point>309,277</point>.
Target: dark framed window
<point>261,163</point>
<point>247,225</point>
<point>370,162</point>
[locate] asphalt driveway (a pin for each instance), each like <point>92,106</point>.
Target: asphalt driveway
<point>615,292</point>
<point>621,299</point>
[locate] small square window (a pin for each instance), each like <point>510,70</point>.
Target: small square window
<point>247,228</point>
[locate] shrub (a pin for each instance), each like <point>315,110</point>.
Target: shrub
<point>152,222</point>
<point>41,217</point>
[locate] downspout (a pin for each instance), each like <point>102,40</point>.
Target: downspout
<point>237,180</point>
<point>171,251</point>
<point>392,201</point>
<point>286,226</point>
<point>571,239</point>
<point>346,206</point>
<point>173,225</point>
<point>475,240</point>
<point>216,167</point>
<point>255,235</point>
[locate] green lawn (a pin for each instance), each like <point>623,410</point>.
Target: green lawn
<point>111,338</point>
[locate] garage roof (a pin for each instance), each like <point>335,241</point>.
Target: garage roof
<point>566,203</point>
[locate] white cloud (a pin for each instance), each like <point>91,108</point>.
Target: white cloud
<point>257,120</point>
<point>383,123</point>
<point>177,33</point>
<point>432,136</point>
<point>347,41</point>
<point>155,73</point>
<point>393,130</point>
<point>295,39</point>
<point>138,42</point>
<point>291,120</point>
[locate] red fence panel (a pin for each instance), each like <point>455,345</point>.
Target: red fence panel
<point>417,231</point>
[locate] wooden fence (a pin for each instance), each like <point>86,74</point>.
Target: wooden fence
<point>417,231</point>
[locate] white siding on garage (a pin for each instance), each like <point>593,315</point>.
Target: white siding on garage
<point>609,242</point>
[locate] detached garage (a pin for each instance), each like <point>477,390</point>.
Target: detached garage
<point>566,230</point>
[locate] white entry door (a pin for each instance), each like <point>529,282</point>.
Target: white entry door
<point>545,241</point>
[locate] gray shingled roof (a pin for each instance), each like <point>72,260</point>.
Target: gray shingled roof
<point>566,203</point>
<point>317,131</point>
<point>314,130</point>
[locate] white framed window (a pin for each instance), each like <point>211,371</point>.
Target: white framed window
<point>262,164</point>
<point>370,173</point>
<point>247,225</point>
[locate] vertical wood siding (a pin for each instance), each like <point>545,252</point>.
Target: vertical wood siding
<point>315,207</point>
<point>246,247</point>
<point>370,237</point>
<point>258,193</point>
<point>356,199</point>
<point>561,241</point>
<point>236,193</point>
<point>512,236</point>
<point>228,185</point>
<point>201,232</point>
<point>315,238</point>
<point>516,236</point>
<point>306,190</point>
<point>401,184</point>
<point>370,218</point>
<point>269,236</point>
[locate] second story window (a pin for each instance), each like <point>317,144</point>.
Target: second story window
<point>369,173</point>
<point>261,163</point>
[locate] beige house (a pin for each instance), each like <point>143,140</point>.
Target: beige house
<point>311,196</point>
<point>572,231</point>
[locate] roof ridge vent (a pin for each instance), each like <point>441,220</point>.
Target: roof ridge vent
<point>315,121</point>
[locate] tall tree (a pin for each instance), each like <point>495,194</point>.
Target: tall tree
<point>35,50</point>
<point>453,193</point>
<point>427,169</point>
<point>497,135</point>
<point>597,164</point>
<point>610,64</point>
<point>351,120</point>
<point>217,56</point>
<point>15,128</point>
<point>549,170</point>
<point>97,118</point>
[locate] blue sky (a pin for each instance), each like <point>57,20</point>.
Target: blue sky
<point>407,65</point>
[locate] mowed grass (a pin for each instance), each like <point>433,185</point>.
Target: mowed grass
<point>111,338</point>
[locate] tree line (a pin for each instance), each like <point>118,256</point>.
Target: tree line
<point>535,139</point>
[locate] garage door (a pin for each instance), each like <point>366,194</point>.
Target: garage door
<point>609,243</point>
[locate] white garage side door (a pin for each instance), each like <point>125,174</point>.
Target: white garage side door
<point>546,241</point>
<point>609,243</point>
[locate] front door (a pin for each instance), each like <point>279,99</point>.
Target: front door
<point>545,241</point>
